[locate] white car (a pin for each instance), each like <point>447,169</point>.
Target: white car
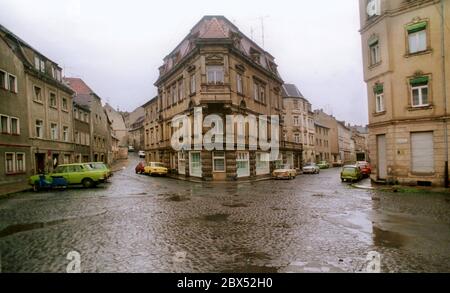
<point>311,168</point>
<point>141,154</point>
<point>285,172</point>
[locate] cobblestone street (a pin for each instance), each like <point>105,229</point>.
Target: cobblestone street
<point>146,224</point>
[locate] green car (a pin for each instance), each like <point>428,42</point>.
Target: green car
<point>75,174</point>
<point>351,173</point>
<point>323,165</point>
<point>101,166</point>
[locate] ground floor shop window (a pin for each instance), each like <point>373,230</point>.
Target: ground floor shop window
<point>243,165</point>
<point>219,161</point>
<point>195,164</point>
<point>262,163</point>
<point>181,163</point>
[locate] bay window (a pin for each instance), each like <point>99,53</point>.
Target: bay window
<point>214,74</point>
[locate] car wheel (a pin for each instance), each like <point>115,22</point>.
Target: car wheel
<point>88,183</point>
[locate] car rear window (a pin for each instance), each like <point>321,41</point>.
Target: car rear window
<point>349,169</point>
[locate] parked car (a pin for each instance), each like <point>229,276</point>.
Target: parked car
<point>101,166</point>
<point>338,163</point>
<point>141,154</point>
<point>155,168</point>
<point>311,168</point>
<point>323,165</point>
<point>140,168</point>
<point>131,149</point>
<point>365,168</point>
<point>75,174</point>
<point>351,173</point>
<point>285,172</point>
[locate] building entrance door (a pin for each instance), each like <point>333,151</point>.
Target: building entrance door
<point>40,163</point>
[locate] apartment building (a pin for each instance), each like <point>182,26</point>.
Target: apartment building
<point>99,138</point>
<point>15,147</point>
<point>82,133</point>
<point>323,148</point>
<point>299,121</point>
<point>219,70</point>
<point>406,68</point>
<point>330,122</point>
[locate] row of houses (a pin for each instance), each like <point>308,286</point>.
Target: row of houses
<point>218,70</point>
<point>46,119</point>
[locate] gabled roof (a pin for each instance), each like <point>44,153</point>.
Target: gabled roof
<point>209,29</point>
<point>214,30</point>
<point>291,91</point>
<point>78,85</point>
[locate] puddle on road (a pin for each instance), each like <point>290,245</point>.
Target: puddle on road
<point>235,205</point>
<point>13,229</point>
<point>216,217</point>
<point>390,239</point>
<point>175,197</point>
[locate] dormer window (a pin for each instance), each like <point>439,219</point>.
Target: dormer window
<point>255,55</point>
<point>39,64</point>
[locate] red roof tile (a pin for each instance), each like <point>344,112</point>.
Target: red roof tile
<point>78,85</point>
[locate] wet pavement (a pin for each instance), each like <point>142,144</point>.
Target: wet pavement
<point>137,223</point>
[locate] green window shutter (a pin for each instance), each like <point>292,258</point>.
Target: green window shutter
<point>422,80</point>
<point>417,27</point>
<point>378,89</point>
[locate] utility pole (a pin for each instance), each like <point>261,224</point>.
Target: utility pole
<point>444,92</point>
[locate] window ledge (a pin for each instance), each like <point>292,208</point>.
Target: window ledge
<point>424,174</point>
<point>259,102</point>
<point>192,94</point>
<point>426,52</point>
<point>375,114</point>
<point>38,102</point>
<point>15,174</point>
<point>53,107</point>
<point>372,66</point>
<point>418,108</point>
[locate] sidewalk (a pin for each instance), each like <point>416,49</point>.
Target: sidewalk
<point>368,184</point>
<point>11,188</point>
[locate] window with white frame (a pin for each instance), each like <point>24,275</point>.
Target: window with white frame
<point>239,85</point>
<point>297,137</point>
<point>3,81</point>
<point>14,125</point>
<point>64,104</point>
<point>180,90</point>
<point>174,93</point>
<point>218,161</point>
<point>192,89</point>
<point>379,98</point>
<point>259,91</point>
<point>52,100</point>
<point>37,63</point>
<point>12,83</point>
<point>39,125</point>
<point>20,163</point>
<point>419,95</point>
<point>9,163</point>
<point>375,57</point>
<point>53,131</point>
<point>4,124</point>
<point>296,121</point>
<point>243,164</point>
<point>42,66</point>
<point>77,137</point>
<point>58,74</point>
<point>214,74</point>
<point>88,139</point>
<point>262,163</point>
<point>417,37</point>
<point>195,165</point>
<point>37,91</point>
<point>65,133</point>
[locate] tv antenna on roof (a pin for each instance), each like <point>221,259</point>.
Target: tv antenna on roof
<point>262,29</point>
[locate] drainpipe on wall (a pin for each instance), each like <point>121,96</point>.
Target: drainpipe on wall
<point>444,87</point>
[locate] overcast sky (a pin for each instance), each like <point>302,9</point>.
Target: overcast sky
<point>117,46</point>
